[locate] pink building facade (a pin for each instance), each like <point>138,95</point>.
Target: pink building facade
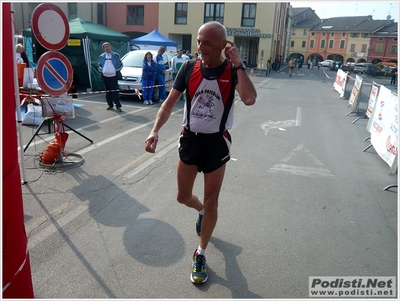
<point>383,48</point>
<point>134,19</point>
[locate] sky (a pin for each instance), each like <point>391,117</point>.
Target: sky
<point>328,9</point>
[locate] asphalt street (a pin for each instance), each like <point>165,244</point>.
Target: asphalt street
<point>300,199</point>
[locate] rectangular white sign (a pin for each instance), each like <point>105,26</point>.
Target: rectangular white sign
<point>354,99</point>
<point>384,125</point>
<point>373,94</point>
<point>340,82</point>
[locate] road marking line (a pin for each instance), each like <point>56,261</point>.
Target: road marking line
<point>153,159</point>
<point>160,147</point>
<point>29,227</point>
<point>263,82</point>
<point>301,170</point>
<point>108,140</point>
<point>51,138</point>
<point>270,124</point>
<point>298,117</point>
<point>56,225</point>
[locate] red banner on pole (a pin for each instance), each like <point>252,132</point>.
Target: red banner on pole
<point>17,280</point>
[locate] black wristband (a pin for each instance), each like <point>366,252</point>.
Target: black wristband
<point>239,67</point>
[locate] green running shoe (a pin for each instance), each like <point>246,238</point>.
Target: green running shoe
<point>199,269</point>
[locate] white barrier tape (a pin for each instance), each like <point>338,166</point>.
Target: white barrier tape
<point>352,78</point>
<point>323,69</point>
<point>95,92</point>
<point>364,83</point>
<point>18,271</point>
<point>81,93</point>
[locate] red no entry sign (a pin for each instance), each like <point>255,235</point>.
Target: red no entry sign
<point>54,73</point>
<point>50,26</point>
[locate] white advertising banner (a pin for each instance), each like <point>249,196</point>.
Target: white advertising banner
<point>373,94</point>
<point>340,82</point>
<point>384,93</point>
<point>384,127</point>
<point>354,99</point>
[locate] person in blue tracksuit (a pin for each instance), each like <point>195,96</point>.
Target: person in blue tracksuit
<point>149,67</point>
<point>160,78</point>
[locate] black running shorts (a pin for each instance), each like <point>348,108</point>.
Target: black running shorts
<point>207,151</point>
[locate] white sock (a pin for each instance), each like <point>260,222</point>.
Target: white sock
<point>201,251</point>
<point>201,212</point>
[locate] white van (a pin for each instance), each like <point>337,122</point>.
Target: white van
<point>132,72</point>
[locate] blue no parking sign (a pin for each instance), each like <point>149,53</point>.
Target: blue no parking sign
<point>54,73</point>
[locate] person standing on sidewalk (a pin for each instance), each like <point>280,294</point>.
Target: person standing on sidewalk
<point>109,64</point>
<point>280,61</point>
<point>394,76</point>
<point>291,66</point>
<point>177,62</point>
<point>276,63</point>
<point>269,66</point>
<point>300,65</point>
<point>204,143</point>
<point>149,69</point>
<point>160,76</point>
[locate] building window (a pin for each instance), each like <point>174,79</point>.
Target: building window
<point>342,44</point>
<point>324,34</point>
<point>352,47</point>
<point>313,34</point>
<point>292,44</point>
<point>332,34</point>
<point>135,15</point>
<point>354,35</point>
<point>393,48</point>
<point>303,44</point>
<point>322,44</point>
<point>394,39</point>
<point>380,39</point>
<point>100,13</point>
<point>249,14</point>
<point>214,12</point>
<point>311,43</point>
<point>343,34</point>
<point>363,47</point>
<point>293,31</point>
<point>72,10</point>
<point>331,43</point>
<point>181,10</point>
<point>304,32</point>
<point>365,35</point>
<point>378,48</point>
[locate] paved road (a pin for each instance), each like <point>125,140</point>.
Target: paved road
<point>300,198</point>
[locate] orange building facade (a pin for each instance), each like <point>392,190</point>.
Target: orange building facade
<point>327,45</point>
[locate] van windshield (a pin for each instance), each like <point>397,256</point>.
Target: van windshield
<point>133,59</point>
